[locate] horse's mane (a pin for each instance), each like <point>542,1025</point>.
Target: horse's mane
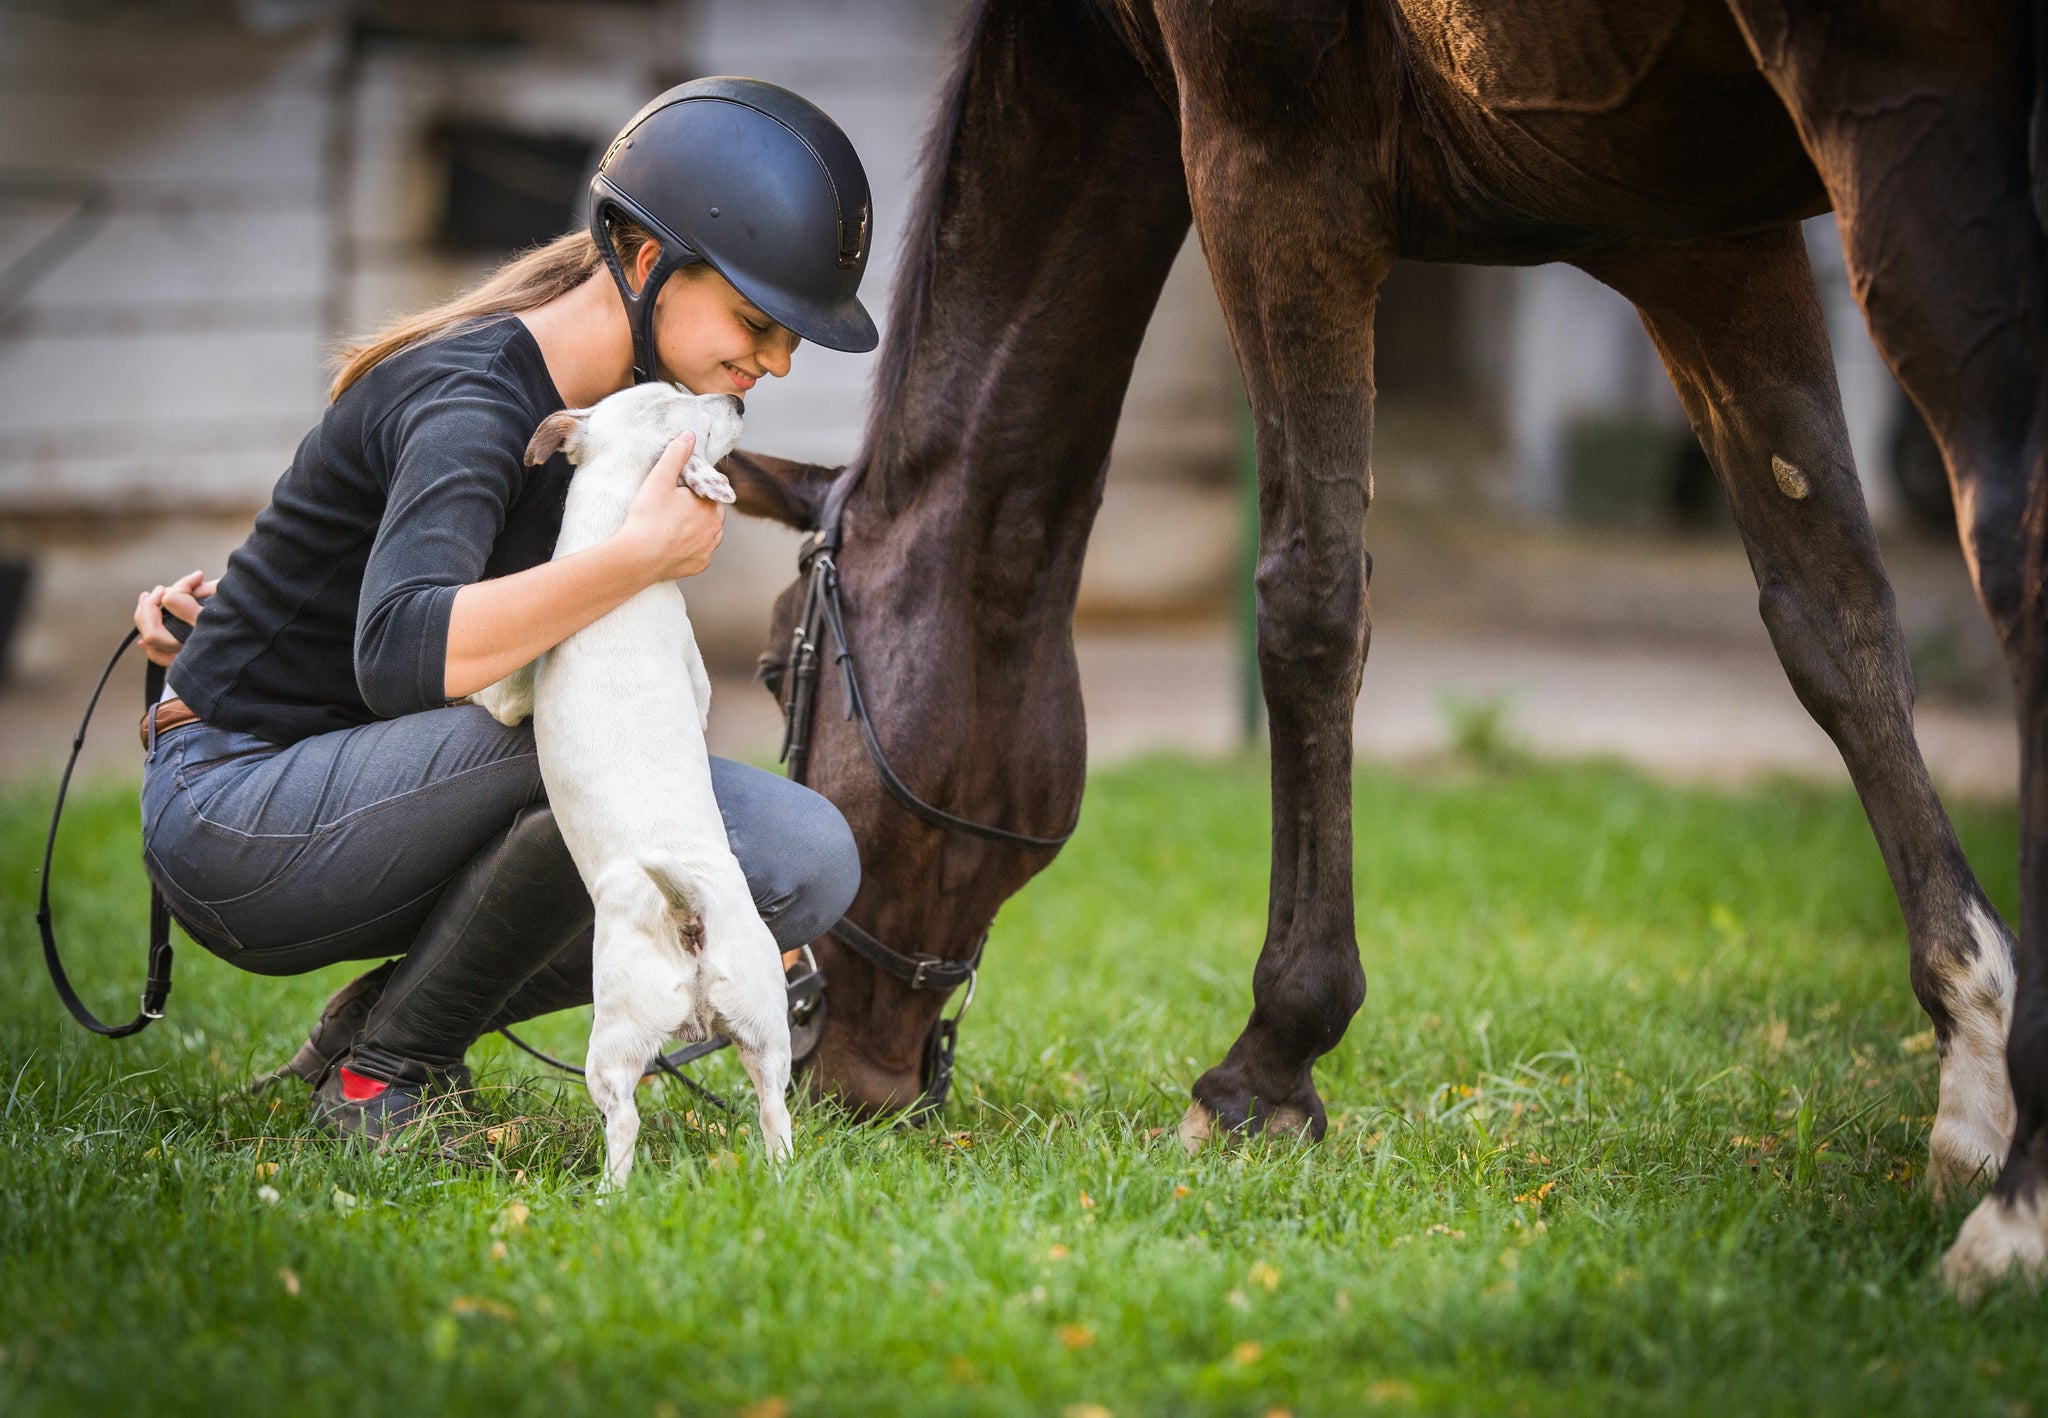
<point>920,258</point>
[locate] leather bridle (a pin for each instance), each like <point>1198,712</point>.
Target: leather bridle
<point>825,612</point>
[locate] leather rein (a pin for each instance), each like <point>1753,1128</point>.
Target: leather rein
<point>825,613</point>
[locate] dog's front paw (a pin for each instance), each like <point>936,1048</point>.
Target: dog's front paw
<point>707,482</point>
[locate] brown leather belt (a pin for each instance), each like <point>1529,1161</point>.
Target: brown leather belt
<point>172,713</point>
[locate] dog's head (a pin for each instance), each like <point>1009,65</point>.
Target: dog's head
<point>642,419</point>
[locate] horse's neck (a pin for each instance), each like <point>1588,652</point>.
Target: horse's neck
<point>1059,208</point>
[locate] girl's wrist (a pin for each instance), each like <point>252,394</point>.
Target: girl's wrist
<point>635,556</point>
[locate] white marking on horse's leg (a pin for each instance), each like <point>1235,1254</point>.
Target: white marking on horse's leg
<point>1791,481</point>
<point>1998,1238</point>
<point>1973,1126</point>
<point>1195,1127</point>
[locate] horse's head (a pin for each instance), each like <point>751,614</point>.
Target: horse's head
<point>922,893</point>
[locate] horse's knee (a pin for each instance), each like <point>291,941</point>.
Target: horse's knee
<point>1312,609</point>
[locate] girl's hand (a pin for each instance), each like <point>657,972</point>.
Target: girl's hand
<point>671,529</point>
<point>181,598</point>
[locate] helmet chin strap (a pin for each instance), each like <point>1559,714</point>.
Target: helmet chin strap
<point>640,307</point>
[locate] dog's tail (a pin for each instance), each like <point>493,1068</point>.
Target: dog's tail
<point>678,885</point>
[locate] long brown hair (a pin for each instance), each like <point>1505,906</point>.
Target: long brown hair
<point>529,279</point>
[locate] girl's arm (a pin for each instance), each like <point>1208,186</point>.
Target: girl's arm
<point>496,626</point>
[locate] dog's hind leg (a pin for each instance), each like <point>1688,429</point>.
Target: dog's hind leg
<point>768,1066</point>
<point>632,949</point>
<point>612,1067</point>
<point>749,996</point>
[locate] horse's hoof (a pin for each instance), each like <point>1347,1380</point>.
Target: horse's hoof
<point>1226,1102</point>
<point>1999,1238</point>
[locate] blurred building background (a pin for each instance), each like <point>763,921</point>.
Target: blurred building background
<point>200,198</point>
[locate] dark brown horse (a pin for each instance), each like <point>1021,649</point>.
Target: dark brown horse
<point>1669,147</point>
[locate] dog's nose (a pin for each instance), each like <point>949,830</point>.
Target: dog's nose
<point>739,405</point>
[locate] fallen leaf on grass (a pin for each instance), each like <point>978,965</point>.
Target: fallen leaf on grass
<point>499,1250</point>
<point>1087,1202</point>
<point>1917,1043</point>
<point>773,1406</point>
<point>1247,1353</point>
<point>1088,1410</point>
<point>1180,1190</point>
<point>1265,1275</point>
<point>1076,1336</point>
<point>721,1162</point>
<point>512,1218</point>
<point>265,1171</point>
<point>1537,1196</point>
<point>504,1135</point>
<point>344,1201</point>
<point>1057,1252</point>
<point>1391,1391</point>
<point>482,1305</point>
<point>291,1281</point>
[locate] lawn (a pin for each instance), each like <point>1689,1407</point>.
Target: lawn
<point>1632,1120</point>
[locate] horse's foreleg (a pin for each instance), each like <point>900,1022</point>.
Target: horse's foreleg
<point>1298,295</point>
<point>1918,123</point>
<point>1740,327</point>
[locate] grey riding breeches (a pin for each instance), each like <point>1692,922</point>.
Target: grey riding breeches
<point>283,860</point>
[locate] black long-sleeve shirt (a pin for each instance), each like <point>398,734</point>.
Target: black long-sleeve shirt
<point>335,610</point>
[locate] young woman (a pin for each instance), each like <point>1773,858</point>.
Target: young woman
<point>314,792</point>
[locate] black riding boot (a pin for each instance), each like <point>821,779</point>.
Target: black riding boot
<point>563,983</point>
<point>504,917</point>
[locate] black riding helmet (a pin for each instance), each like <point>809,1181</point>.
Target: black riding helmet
<point>757,182</point>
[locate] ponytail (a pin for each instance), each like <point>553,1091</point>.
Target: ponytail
<point>529,279</point>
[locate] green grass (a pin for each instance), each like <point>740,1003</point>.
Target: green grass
<point>1632,1120</point>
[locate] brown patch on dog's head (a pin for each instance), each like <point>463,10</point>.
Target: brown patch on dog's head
<point>561,431</point>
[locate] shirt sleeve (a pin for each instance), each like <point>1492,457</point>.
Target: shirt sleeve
<point>457,460</point>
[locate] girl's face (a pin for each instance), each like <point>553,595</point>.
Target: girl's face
<point>710,338</point>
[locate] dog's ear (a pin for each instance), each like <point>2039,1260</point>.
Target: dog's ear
<point>560,430</point>
<point>776,488</point>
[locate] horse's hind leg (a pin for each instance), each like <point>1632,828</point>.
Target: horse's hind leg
<point>1918,119</point>
<point>1740,328</point>
<point>1298,277</point>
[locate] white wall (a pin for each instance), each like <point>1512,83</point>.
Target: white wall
<point>174,356</point>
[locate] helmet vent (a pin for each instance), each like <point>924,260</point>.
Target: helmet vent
<point>850,256</point>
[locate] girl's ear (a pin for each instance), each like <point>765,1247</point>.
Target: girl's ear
<point>561,431</point>
<point>776,488</point>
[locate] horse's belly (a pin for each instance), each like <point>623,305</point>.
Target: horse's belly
<point>1645,118</point>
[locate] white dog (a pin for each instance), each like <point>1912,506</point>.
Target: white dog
<point>619,710</point>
